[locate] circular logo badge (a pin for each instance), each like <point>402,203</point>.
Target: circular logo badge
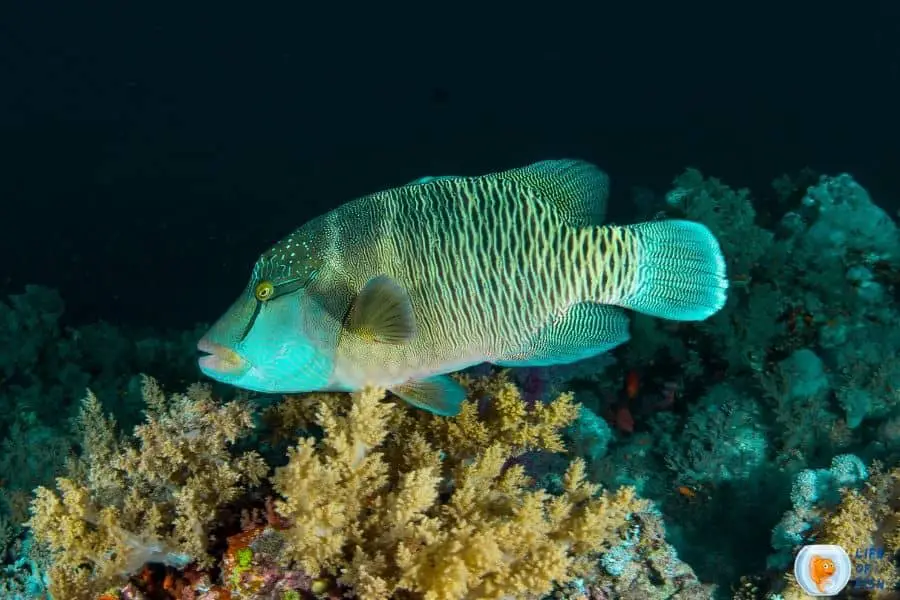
<point>822,570</point>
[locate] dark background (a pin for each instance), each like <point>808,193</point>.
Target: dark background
<point>147,155</point>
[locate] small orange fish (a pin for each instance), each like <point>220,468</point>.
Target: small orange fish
<point>632,384</point>
<point>169,582</point>
<point>820,571</point>
<point>686,491</point>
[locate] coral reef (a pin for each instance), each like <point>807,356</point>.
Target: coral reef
<point>796,370</point>
<point>388,502</point>
<point>855,507</point>
<point>125,504</point>
<point>45,367</point>
<point>384,529</point>
<point>696,452</point>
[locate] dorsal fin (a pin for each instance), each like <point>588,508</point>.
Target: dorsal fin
<point>578,189</point>
<point>430,178</point>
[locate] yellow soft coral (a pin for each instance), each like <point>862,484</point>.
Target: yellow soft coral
<point>498,538</point>
<point>80,533</point>
<point>504,418</point>
<point>325,485</point>
<point>125,504</point>
<point>480,530</point>
<point>852,524</point>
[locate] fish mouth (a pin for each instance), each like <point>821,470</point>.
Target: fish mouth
<point>217,359</point>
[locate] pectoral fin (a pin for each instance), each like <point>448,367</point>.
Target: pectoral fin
<point>382,313</point>
<point>440,394</point>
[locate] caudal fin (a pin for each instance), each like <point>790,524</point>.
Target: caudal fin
<point>680,271</point>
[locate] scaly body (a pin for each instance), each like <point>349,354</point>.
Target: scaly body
<point>400,287</point>
<point>486,264</point>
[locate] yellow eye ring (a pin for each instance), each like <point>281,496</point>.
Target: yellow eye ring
<point>264,290</point>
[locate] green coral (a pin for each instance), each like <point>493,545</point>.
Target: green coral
<point>748,326</point>
<point>728,213</point>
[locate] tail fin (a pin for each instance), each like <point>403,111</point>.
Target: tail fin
<point>680,271</point>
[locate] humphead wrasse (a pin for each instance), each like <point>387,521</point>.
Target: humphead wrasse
<point>401,287</point>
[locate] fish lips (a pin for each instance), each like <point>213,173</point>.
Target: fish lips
<point>220,361</point>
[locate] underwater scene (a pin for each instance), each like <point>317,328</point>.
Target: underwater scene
<point>439,320</point>
<point>607,455</point>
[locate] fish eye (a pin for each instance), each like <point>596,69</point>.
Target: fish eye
<point>264,290</point>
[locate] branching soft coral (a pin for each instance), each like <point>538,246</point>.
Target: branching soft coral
<point>124,504</point>
<point>498,538</point>
<point>326,486</point>
<point>494,412</point>
<point>380,526</point>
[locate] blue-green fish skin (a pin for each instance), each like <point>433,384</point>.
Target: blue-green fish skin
<point>398,288</point>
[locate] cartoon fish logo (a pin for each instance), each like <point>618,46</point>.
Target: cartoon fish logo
<point>401,287</point>
<point>821,570</point>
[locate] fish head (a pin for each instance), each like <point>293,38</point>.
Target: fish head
<point>275,338</point>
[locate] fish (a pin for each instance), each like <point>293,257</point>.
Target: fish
<point>820,571</point>
<point>632,384</point>
<point>686,491</point>
<point>400,288</point>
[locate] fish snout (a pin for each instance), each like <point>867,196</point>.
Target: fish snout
<point>217,359</point>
